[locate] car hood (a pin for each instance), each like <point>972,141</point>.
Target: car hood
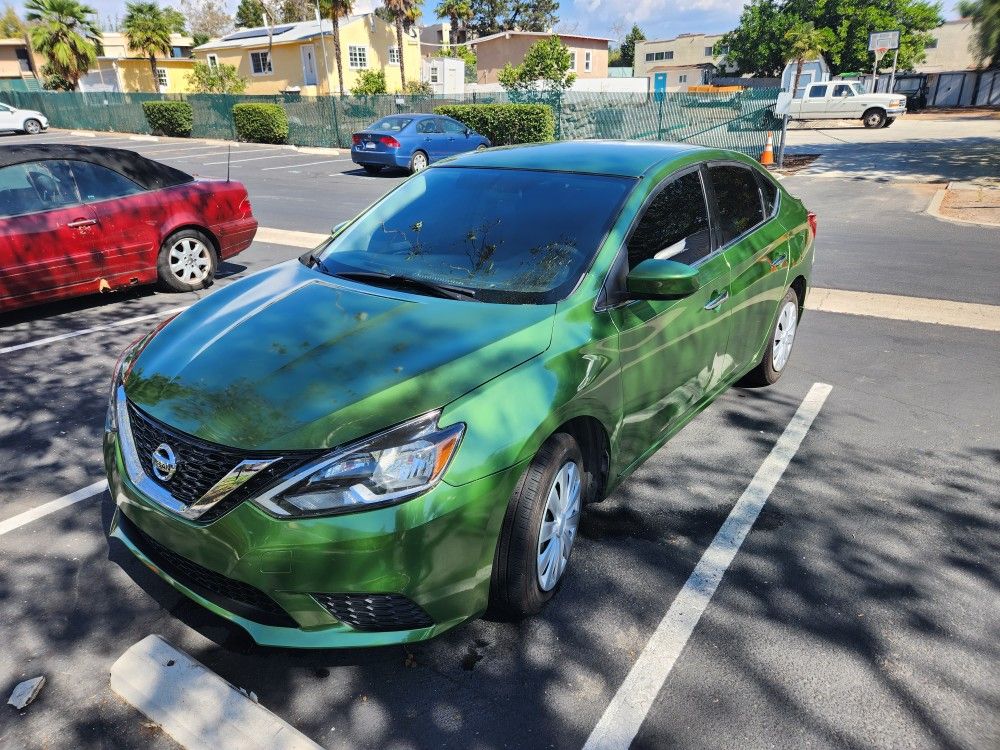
<point>292,359</point>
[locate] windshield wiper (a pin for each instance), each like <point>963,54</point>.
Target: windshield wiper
<point>394,281</point>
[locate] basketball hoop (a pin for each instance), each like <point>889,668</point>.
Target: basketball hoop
<point>880,53</point>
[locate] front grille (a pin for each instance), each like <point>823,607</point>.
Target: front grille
<point>200,464</point>
<point>232,595</point>
<point>375,613</point>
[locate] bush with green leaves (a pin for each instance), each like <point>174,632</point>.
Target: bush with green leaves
<point>218,79</point>
<point>505,124</point>
<point>260,123</point>
<point>174,119</point>
<point>417,88</point>
<point>370,82</point>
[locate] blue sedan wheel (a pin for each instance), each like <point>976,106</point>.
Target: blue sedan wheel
<point>418,162</point>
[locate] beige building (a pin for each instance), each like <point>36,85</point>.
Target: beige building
<point>684,60</point>
<point>588,54</point>
<point>293,57</point>
<point>17,65</point>
<point>951,49</point>
<point>126,70</point>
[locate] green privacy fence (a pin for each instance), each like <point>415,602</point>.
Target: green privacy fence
<point>737,121</point>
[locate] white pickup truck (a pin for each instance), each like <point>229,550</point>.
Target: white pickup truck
<point>847,100</point>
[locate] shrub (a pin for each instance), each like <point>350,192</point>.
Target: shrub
<point>221,79</point>
<point>370,82</point>
<point>260,123</point>
<point>174,119</point>
<point>505,124</point>
<point>417,88</point>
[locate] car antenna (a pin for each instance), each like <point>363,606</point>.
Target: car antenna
<point>229,156</point>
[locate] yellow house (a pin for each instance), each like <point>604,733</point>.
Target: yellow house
<point>293,56</point>
<point>125,70</point>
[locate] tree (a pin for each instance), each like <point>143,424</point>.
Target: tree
<point>11,25</point>
<point>336,9</point>
<point>400,9</point>
<point>369,83</point>
<point>206,19</point>
<point>628,46</point>
<point>249,14</point>
<point>546,66</point>
<point>67,34</point>
<point>492,16</point>
<point>985,15</point>
<point>220,79</point>
<point>757,44</point>
<point>805,42</point>
<point>458,13</point>
<point>176,21</point>
<point>147,31</point>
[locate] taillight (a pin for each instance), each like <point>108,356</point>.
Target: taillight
<point>245,208</point>
<point>356,139</point>
<point>812,223</point>
<point>389,141</point>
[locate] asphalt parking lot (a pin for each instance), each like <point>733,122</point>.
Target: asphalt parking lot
<point>860,611</point>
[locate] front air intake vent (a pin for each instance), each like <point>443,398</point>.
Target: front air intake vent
<point>375,613</point>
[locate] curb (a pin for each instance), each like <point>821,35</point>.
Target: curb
<point>318,150</point>
<point>934,209</point>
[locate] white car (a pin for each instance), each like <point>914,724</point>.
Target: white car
<point>847,100</point>
<point>22,120</point>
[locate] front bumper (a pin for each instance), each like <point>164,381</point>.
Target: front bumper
<point>895,111</point>
<point>436,551</point>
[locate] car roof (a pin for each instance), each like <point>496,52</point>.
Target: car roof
<point>621,158</point>
<point>148,174</point>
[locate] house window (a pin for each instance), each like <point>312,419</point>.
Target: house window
<point>394,55</point>
<point>658,56</point>
<point>161,77</point>
<point>587,61</point>
<point>434,73</point>
<point>649,57</point>
<point>357,56</point>
<point>708,51</point>
<point>213,61</point>
<point>723,49</point>
<point>669,55</point>
<point>176,52</point>
<point>572,60</point>
<point>260,63</point>
<point>932,44</point>
<point>682,78</point>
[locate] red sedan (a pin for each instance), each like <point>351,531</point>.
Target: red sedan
<point>77,220</point>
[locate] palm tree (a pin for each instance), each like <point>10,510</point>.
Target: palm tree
<point>147,31</point>
<point>459,13</point>
<point>804,41</point>
<point>67,34</point>
<point>336,9</point>
<point>400,11</point>
<point>985,15</point>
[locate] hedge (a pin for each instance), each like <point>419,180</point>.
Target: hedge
<point>505,124</point>
<point>260,123</point>
<point>169,118</point>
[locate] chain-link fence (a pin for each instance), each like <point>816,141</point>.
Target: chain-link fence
<point>738,121</point>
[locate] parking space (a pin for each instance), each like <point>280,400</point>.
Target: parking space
<point>858,611</point>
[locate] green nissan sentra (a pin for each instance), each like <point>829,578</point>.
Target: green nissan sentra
<point>398,431</point>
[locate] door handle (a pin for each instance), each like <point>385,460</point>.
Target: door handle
<point>78,223</point>
<point>779,261</point>
<point>717,302</point>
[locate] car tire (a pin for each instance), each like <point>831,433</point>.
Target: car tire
<point>779,345</point>
<point>889,121</point>
<point>372,168</point>
<point>873,118</point>
<point>32,126</point>
<point>418,162</point>
<point>522,583</point>
<point>186,261</point>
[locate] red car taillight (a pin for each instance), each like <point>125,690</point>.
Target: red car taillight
<point>356,139</point>
<point>812,223</point>
<point>389,141</point>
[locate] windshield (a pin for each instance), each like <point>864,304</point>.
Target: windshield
<point>509,236</point>
<point>393,124</point>
<point>857,88</point>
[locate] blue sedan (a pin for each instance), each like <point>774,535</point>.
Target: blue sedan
<point>412,142</point>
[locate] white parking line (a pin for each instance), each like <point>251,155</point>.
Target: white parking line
<point>255,158</point>
<point>84,331</point>
<point>22,519</point>
<point>622,718</point>
<point>194,705</point>
<point>309,164</point>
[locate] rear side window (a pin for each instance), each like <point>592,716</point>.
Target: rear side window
<point>97,183</point>
<point>392,124</point>
<point>36,186</point>
<point>817,91</point>
<point>675,225</point>
<point>428,126</point>
<point>453,126</point>
<point>769,191</point>
<point>738,198</point>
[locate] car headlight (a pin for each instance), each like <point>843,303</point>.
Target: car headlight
<point>395,465</point>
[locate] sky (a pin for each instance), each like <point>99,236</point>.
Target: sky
<point>659,19</point>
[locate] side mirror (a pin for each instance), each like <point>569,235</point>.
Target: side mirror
<point>661,279</point>
<point>337,227</point>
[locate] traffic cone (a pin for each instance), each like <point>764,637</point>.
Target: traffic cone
<point>767,157</point>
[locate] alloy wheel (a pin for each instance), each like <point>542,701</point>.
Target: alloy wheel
<point>559,524</point>
<point>784,335</point>
<point>190,260</point>
<point>32,127</point>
